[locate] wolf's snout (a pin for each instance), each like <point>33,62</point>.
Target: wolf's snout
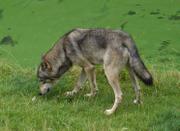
<point>40,94</point>
<point>45,88</point>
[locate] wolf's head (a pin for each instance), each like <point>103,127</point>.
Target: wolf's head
<point>45,76</point>
<point>53,65</point>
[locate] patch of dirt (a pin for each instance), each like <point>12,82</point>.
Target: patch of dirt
<point>131,12</point>
<point>137,4</point>
<point>9,28</point>
<point>174,17</point>
<point>60,1</point>
<point>164,45</point>
<point>7,40</point>
<point>178,12</point>
<point>155,13</point>
<point>160,17</point>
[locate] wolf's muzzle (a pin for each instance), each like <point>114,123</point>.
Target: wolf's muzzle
<point>40,94</point>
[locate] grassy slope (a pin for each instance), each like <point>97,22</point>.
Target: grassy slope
<point>159,112</point>
<point>37,24</point>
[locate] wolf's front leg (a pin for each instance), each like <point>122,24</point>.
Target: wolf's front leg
<point>82,78</point>
<point>91,75</point>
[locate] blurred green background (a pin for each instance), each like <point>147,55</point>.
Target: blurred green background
<point>28,28</point>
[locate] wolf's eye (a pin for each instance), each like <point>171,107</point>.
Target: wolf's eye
<point>41,80</point>
<point>46,66</point>
<point>43,66</point>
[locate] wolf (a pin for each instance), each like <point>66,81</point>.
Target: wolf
<point>114,49</point>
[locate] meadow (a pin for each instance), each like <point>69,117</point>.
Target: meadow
<point>28,28</point>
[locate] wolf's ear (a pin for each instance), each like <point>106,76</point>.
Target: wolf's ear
<point>42,56</point>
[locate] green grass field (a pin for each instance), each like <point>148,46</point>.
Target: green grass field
<point>28,28</point>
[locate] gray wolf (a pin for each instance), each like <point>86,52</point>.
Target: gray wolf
<point>114,49</point>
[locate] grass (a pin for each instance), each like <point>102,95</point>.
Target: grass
<point>159,112</point>
<point>28,28</point>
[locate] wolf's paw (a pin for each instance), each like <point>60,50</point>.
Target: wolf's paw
<point>137,101</point>
<point>90,95</point>
<point>108,112</point>
<point>70,93</point>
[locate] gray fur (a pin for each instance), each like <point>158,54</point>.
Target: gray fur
<point>114,49</point>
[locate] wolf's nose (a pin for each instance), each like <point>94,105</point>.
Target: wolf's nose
<point>40,94</point>
<point>48,90</point>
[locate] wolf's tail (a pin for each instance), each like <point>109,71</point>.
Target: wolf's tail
<point>136,63</point>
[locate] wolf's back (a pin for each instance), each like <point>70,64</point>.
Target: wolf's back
<point>136,63</point>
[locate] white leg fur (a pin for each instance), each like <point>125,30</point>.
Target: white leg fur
<point>112,76</point>
<point>90,72</point>
<point>82,78</point>
<point>136,87</point>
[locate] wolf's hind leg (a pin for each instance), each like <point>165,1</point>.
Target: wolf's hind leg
<point>91,75</point>
<point>82,78</point>
<point>112,74</point>
<point>135,85</point>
